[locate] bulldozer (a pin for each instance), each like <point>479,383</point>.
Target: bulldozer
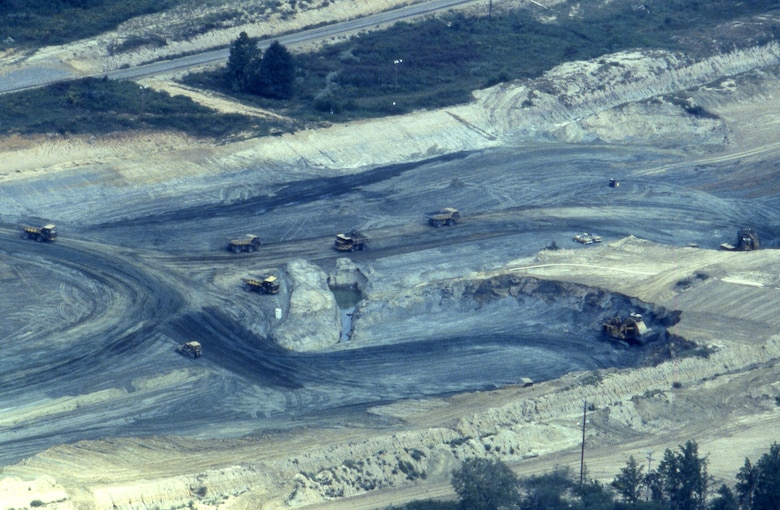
<point>40,234</point>
<point>249,242</point>
<point>631,329</point>
<point>268,285</point>
<point>352,241</point>
<point>447,216</point>
<point>192,349</point>
<point>747,240</point>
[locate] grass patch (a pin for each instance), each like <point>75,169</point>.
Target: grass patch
<point>97,106</point>
<point>37,23</point>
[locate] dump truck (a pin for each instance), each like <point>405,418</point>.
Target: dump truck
<point>249,242</point>
<point>586,238</point>
<point>631,329</point>
<point>447,216</point>
<point>192,349</point>
<point>614,183</point>
<point>352,241</point>
<point>40,234</point>
<point>747,240</point>
<point>267,285</point>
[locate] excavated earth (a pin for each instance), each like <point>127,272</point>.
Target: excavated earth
<point>296,403</point>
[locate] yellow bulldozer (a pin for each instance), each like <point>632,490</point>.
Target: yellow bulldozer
<point>747,240</point>
<point>630,329</point>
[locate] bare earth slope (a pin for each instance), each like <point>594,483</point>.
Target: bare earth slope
<point>538,169</point>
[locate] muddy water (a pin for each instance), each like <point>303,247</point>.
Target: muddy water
<point>346,298</point>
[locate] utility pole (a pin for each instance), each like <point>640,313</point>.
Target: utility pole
<point>582,454</point>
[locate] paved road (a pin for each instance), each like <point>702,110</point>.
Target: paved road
<point>39,76</point>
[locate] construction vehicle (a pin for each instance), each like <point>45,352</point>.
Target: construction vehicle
<point>447,216</point>
<point>190,349</point>
<point>268,285</point>
<point>352,241</point>
<point>586,238</point>
<point>747,240</point>
<point>248,243</point>
<point>613,183</point>
<point>40,234</point>
<point>631,329</point>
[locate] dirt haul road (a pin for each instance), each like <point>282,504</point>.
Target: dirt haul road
<point>279,412</point>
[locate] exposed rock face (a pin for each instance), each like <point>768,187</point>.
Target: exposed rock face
<point>312,321</point>
<point>481,304</point>
<point>347,274</point>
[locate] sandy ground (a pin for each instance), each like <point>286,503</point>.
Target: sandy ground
<point>685,181</point>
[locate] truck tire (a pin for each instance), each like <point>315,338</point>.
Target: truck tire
<point>236,249</point>
<point>251,248</point>
<point>25,235</point>
<point>39,238</point>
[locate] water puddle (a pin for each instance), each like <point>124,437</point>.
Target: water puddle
<point>347,297</point>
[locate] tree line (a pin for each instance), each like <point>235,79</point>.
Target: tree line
<point>270,74</point>
<point>680,482</point>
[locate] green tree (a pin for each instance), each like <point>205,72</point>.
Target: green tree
<point>726,500</point>
<point>655,485</point>
<point>594,495</point>
<point>483,484</point>
<point>746,484</point>
<point>684,477</point>
<point>547,491</point>
<point>766,491</point>
<point>242,63</point>
<point>628,483</point>
<point>277,72</point>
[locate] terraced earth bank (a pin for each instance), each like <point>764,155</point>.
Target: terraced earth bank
<point>285,410</point>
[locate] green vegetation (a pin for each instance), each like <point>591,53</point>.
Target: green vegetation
<point>36,23</point>
<point>681,482</point>
<point>483,484</point>
<point>438,62</point>
<point>249,70</point>
<point>429,64</point>
<point>97,106</point>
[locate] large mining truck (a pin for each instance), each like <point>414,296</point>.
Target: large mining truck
<point>192,349</point>
<point>747,240</point>
<point>631,329</point>
<point>352,241</point>
<point>586,238</point>
<point>44,233</point>
<point>447,216</point>
<point>268,285</point>
<point>249,242</point>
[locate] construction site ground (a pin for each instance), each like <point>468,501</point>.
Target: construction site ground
<point>99,411</point>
